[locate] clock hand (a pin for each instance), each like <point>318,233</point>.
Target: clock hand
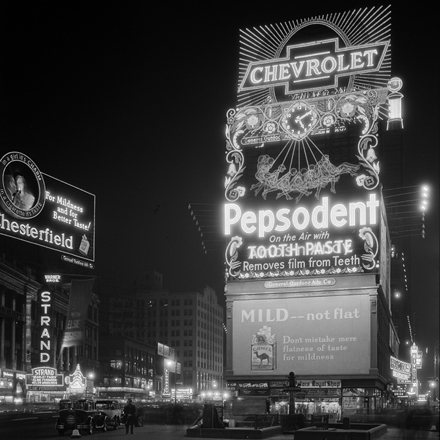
<point>298,118</point>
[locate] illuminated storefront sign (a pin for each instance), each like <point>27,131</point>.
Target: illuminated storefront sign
<point>307,335</point>
<point>400,369</point>
<point>321,384</point>
<point>313,66</point>
<point>52,278</point>
<point>76,382</point>
<point>330,237</point>
<point>42,210</point>
<point>45,332</point>
<point>44,379</point>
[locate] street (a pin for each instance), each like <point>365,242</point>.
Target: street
<point>28,429</point>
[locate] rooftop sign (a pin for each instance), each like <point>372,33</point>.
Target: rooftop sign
<point>313,65</point>
<point>329,53</point>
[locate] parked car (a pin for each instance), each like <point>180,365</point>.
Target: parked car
<point>75,414</point>
<point>108,413</point>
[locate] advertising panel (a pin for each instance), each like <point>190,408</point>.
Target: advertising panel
<point>400,369</point>
<point>296,206</point>
<point>42,210</point>
<point>306,335</point>
<point>317,55</point>
<point>80,294</point>
<point>335,235</point>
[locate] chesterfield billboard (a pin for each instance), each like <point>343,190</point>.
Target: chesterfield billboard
<point>42,210</point>
<point>302,187</point>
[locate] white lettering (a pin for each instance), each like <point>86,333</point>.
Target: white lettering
<point>266,221</point>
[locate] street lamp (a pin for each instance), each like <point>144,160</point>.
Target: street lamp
<point>90,383</point>
<point>169,364</point>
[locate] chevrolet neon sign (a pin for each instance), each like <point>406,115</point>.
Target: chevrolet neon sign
<point>315,65</point>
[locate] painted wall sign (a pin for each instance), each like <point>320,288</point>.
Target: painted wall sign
<point>42,210</point>
<point>308,335</point>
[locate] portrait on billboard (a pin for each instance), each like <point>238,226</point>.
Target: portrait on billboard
<point>22,186</point>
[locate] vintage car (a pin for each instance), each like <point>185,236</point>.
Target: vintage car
<point>108,413</point>
<point>75,414</point>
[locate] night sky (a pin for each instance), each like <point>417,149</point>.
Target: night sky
<point>128,102</point>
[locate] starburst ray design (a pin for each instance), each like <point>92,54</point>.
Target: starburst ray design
<point>357,27</point>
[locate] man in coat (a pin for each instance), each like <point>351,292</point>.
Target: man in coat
<point>130,416</point>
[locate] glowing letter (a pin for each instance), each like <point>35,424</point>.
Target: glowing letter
<point>323,209</point>
<point>262,228</point>
<point>324,64</point>
<point>254,79</point>
<point>369,54</point>
<point>312,65</point>
<point>231,208</point>
<point>355,60</point>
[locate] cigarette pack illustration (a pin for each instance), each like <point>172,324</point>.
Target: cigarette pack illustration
<point>263,350</point>
<point>84,245</point>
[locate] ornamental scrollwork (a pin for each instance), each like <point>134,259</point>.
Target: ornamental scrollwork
<point>234,157</point>
<point>368,159</point>
<point>294,124</point>
<point>371,247</point>
<point>231,256</point>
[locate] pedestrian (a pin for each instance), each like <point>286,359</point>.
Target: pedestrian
<point>130,416</point>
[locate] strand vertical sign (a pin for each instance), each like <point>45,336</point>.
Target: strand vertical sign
<point>45,332</point>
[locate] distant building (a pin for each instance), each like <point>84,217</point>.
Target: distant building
<point>191,323</point>
<point>127,369</point>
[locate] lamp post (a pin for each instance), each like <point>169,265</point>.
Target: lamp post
<point>169,364</point>
<point>90,383</point>
<point>292,389</point>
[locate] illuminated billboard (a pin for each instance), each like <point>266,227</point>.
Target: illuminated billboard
<point>42,210</point>
<point>325,54</point>
<point>335,235</point>
<point>294,204</point>
<point>305,335</point>
<point>400,369</point>
<point>312,66</point>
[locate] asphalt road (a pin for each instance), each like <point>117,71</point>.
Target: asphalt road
<point>43,429</point>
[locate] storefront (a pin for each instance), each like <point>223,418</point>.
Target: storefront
<point>333,397</point>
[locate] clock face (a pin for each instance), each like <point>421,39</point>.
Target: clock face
<point>299,120</point>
